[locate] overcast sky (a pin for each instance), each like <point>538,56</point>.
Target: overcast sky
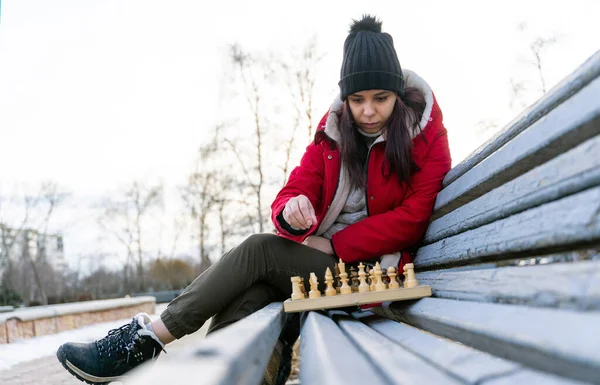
<point>95,93</point>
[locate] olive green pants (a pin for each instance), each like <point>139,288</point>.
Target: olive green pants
<point>247,278</point>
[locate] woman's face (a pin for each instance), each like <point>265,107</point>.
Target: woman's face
<point>371,109</point>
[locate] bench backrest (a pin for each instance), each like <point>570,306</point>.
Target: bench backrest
<point>512,252</point>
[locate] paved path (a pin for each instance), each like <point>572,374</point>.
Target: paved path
<point>49,371</point>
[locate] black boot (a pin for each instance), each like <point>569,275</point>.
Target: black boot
<point>108,359</point>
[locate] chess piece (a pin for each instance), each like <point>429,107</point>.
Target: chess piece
<point>345,288</point>
<point>329,282</point>
<point>379,285</point>
<point>372,279</point>
<point>314,287</point>
<point>296,290</point>
<point>411,280</point>
<point>385,278</point>
<point>354,279</point>
<point>363,287</point>
<point>338,282</point>
<point>393,282</point>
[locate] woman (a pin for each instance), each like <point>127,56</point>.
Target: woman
<point>364,191</point>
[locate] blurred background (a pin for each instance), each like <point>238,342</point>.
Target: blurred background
<point>139,140</point>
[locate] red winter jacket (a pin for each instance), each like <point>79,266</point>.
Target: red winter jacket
<point>398,216</point>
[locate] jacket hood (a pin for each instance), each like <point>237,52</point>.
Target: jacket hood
<point>331,128</point>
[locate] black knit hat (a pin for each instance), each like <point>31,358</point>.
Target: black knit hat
<point>370,60</point>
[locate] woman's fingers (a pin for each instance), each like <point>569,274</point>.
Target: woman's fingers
<point>311,211</point>
<point>292,215</point>
<point>295,219</point>
<point>306,211</point>
<point>299,212</point>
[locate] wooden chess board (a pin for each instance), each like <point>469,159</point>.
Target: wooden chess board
<point>355,299</point>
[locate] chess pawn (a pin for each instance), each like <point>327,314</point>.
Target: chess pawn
<point>411,280</point>
<point>329,282</point>
<point>345,288</point>
<point>393,282</point>
<point>354,279</point>
<point>296,290</point>
<point>314,287</point>
<point>363,287</point>
<point>379,285</point>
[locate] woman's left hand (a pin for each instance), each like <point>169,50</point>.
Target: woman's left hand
<point>319,243</point>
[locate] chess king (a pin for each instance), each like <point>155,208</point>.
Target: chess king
<point>363,191</point>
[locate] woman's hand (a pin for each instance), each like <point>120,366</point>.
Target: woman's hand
<point>319,243</point>
<point>299,213</point>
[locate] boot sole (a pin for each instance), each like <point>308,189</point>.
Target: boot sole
<point>81,375</point>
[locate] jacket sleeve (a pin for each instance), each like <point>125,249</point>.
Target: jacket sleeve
<point>404,226</point>
<point>306,179</point>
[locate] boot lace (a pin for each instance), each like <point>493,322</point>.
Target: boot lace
<point>119,341</point>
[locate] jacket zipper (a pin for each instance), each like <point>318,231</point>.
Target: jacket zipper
<point>333,197</point>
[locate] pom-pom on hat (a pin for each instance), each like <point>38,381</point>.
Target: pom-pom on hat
<point>370,61</point>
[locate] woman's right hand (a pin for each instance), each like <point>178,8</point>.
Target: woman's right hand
<point>299,213</point>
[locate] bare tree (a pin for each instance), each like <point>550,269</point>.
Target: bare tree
<point>124,218</point>
<point>300,75</point>
<point>11,234</point>
<point>111,220</point>
<point>179,225</point>
<point>199,194</point>
<point>52,197</point>
<point>198,198</point>
<point>536,49</point>
<point>517,91</point>
<point>253,74</point>
<point>26,265</point>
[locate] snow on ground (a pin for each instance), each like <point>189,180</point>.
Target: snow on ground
<point>32,348</point>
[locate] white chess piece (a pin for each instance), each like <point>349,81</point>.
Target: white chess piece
<point>363,287</point>
<point>296,290</point>
<point>411,280</point>
<point>393,282</point>
<point>345,288</point>
<point>314,287</point>
<point>379,285</point>
<point>330,291</point>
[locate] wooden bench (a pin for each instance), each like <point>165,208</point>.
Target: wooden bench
<point>513,258</point>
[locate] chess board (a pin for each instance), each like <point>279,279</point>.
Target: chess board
<point>367,287</point>
<point>344,300</point>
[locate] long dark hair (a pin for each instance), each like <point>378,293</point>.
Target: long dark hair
<point>403,122</point>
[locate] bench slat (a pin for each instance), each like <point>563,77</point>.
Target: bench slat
<point>531,378</point>
<point>328,356</point>
<point>569,124</point>
<point>561,342</point>
<point>568,222</point>
<point>562,91</point>
<point>559,285</point>
<point>470,365</point>
<point>398,364</point>
<point>237,354</point>
<point>567,174</point>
